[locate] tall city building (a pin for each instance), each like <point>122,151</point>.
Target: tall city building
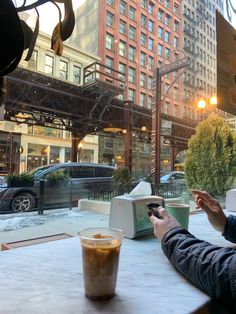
<point>135,37</point>
<point>199,43</point>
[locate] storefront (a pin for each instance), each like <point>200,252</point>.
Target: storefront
<point>10,149</point>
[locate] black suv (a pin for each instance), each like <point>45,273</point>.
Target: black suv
<point>81,178</point>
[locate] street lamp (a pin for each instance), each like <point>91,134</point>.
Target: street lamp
<point>203,103</point>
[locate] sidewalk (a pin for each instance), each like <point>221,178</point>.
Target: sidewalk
<point>23,226</point>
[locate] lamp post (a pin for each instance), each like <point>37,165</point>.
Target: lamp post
<point>203,104</point>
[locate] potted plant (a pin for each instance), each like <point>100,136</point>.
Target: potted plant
<point>20,180</point>
<point>122,179</point>
<point>56,177</point>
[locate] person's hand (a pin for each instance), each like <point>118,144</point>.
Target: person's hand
<point>212,208</point>
<point>162,226</point>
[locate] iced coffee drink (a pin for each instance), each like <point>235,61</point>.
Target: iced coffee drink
<point>100,251</point>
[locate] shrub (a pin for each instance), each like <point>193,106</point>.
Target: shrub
<point>210,157</point>
<point>19,179</point>
<point>56,177</point>
<point>122,177</point>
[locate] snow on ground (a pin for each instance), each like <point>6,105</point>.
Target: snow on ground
<point>10,222</point>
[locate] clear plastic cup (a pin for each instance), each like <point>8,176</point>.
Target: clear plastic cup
<point>100,257</point>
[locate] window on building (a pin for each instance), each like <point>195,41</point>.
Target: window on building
<point>149,102</point>
<point>109,64</point>
<point>176,26</point>
<point>176,42</point>
<point>160,15</point>
<point>150,81</point>
<point>132,32</point>
<point>77,74</point>
<point>150,44</point>
<point>142,99</point>
<point>132,13</point>
<point>63,70</point>
<point>49,64</point>
<point>150,63</point>
<point>110,2</point>
<point>160,32</point>
<point>144,4</point>
<point>131,75</point>
<point>175,93</point>
<point>143,20</point>
<point>122,7</point>
<point>143,79</point>
<point>122,27</point>
<point>167,3</point>
<point>166,107</point>
<point>143,58</point>
<point>122,68</point>
<point>32,63</point>
<point>131,94</point>
<point>122,48</point>
<point>160,50</point>
<point>143,39</point>
<point>176,9</point>
<point>109,41</point>
<point>109,19</point>
<point>132,52</point>
<point>167,36</point>
<point>167,88</point>
<point>151,26</point>
<point>151,8</point>
<point>168,20</point>
<point>167,53</point>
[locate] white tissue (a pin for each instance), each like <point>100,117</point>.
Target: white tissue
<point>143,188</point>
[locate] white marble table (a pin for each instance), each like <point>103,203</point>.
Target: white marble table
<point>47,278</point>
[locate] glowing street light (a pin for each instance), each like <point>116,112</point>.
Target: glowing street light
<point>202,104</point>
<point>213,101</point>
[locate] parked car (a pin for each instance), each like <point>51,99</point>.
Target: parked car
<point>64,183</point>
<point>174,177</point>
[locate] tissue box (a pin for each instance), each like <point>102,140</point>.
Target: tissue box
<point>129,213</point>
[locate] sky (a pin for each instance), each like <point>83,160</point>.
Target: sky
<point>48,14</point>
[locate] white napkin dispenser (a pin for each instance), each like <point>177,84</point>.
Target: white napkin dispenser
<point>129,213</point>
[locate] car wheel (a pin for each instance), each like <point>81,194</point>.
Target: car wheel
<point>22,202</point>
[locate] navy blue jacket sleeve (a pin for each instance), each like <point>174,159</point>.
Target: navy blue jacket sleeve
<point>230,229</point>
<point>209,267</point>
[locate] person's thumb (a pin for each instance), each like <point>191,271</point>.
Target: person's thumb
<point>153,219</point>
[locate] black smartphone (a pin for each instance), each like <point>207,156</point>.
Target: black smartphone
<point>151,207</point>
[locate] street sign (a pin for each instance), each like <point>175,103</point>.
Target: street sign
<point>178,64</point>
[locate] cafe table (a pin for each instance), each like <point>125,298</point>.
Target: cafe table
<point>47,278</point>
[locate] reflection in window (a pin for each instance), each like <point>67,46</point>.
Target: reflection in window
<point>63,69</point>
<point>77,74</point>
<point>49,63</point>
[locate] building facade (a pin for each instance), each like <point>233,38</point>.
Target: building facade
<point>136,37</point>
<point>199,43</point>
<point>36,145</point>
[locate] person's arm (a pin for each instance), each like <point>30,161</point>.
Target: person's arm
<point>216,216</point>
<point>209,267</point>
<point>230,229</point>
